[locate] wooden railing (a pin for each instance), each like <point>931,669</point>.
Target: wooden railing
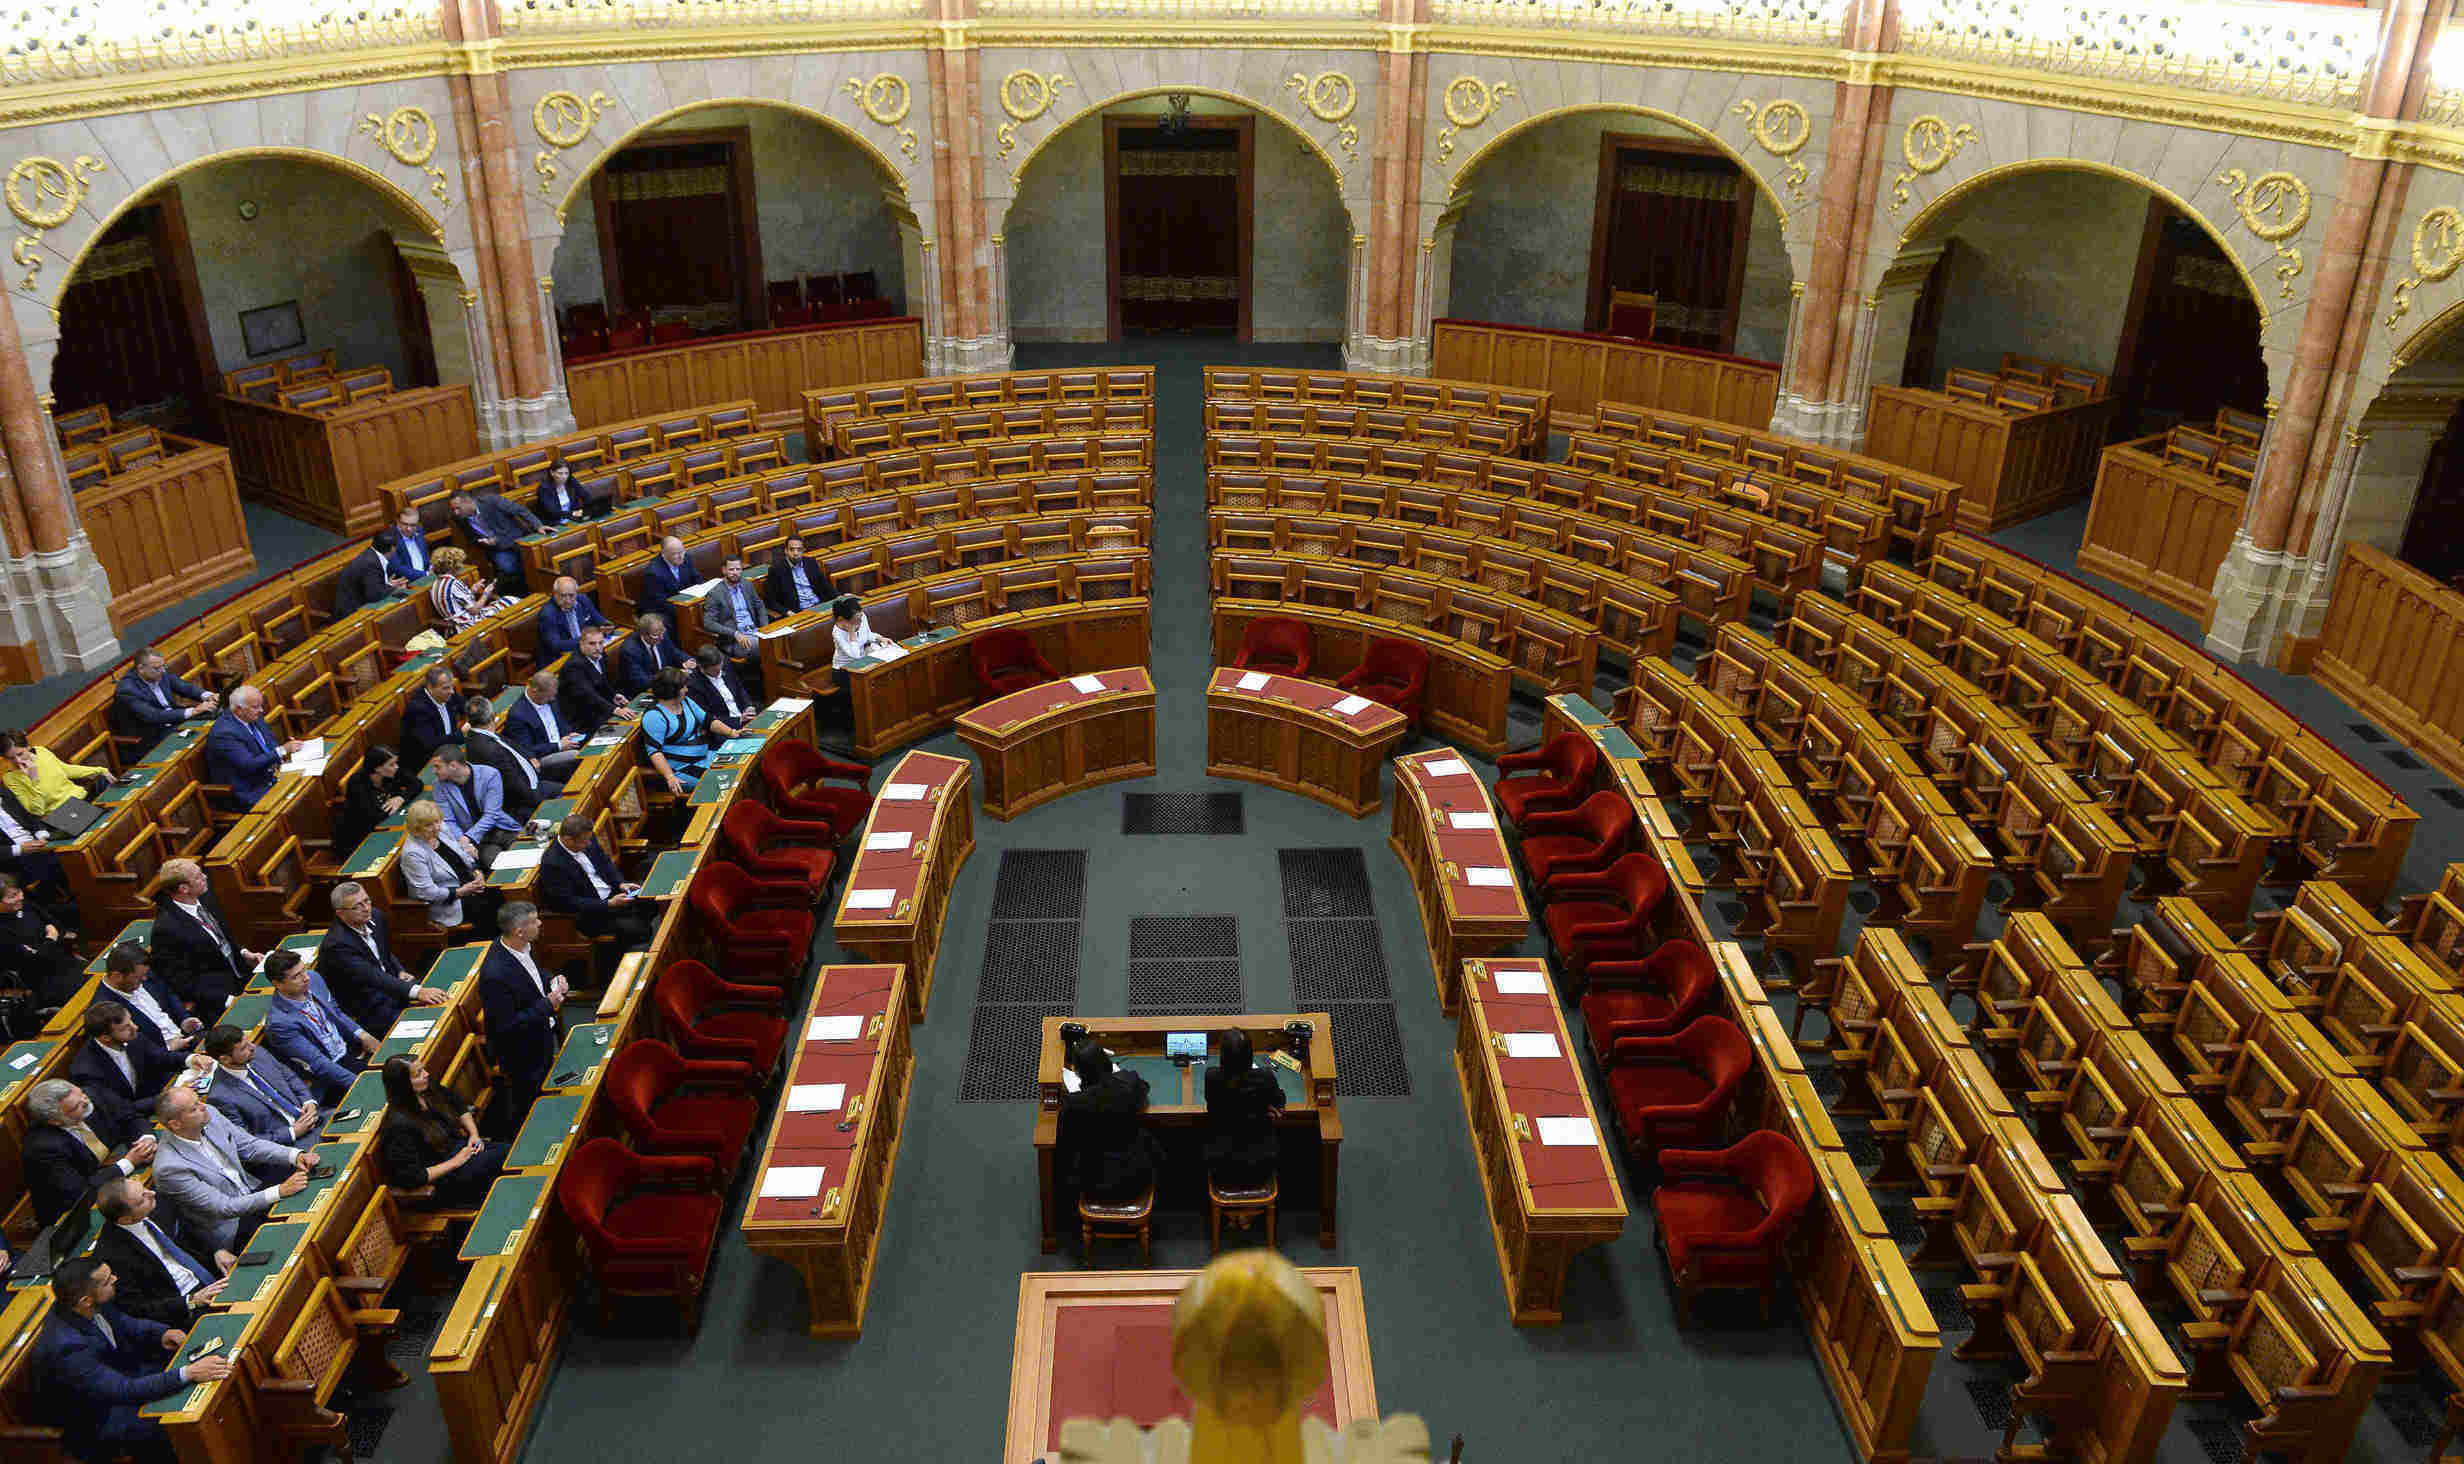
<point>2009,465</point>
<point>325,466</point>
<point>168,531</point>
<point>1585,370</point>
<point>2160,528</point>
<point>773,367</point>
<point>2392,645</point>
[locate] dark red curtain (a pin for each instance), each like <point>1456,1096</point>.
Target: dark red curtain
<point>2198,342</point>
<point>123,340</point>
<point>1674,233</point>
<point>1179,235</point>
<point>674,231</point>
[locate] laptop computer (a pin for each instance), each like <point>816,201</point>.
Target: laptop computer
<point>73,817</point>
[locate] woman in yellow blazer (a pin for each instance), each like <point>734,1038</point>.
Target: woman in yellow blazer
<point>39,780</point>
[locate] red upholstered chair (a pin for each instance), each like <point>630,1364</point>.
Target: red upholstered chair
<point>1652,997</point>
<point>1393,673</point>
<point>672,1104</point>
<point>779,848</point>
<point>1605,916</point>
<point>1676,1090</point>
<point>1554,776</point>
<point>1584,839</point>
<point>798,775</point>
<point>722,1021</point>
<point>1007,661</point>
<point>764,925</point>
<point>1276,643</point>
<point>1725,1214</point>
<point>648,1222</point>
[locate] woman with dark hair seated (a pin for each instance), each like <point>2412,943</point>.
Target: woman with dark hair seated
<point>373,795</point>
<point>429,1146</point>
<point>1114,1159</point>
<point>1242,1099</point>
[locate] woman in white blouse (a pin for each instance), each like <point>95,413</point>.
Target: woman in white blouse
<point>457,605</point>
<point>853,636</point>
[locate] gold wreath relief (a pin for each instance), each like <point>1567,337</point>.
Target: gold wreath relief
<point>1468,101</point>
<point>1329,95</point>
<point>1782,128</point>
<point>408,135</point>
<point>562,119</point>
<point>2273,206</point>
<point>1026,95</point>
<point>2438,251</point>
<point>1929,145</point>
<point>886,100</point>
<point>44,194</point>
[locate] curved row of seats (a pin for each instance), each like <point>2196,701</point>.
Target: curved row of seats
<point>1526,410</point>
<point>1858,529</point>
<point>1468,431</point>
<point>519,471</point>
<point>963,425</point>
<point>825,408</point>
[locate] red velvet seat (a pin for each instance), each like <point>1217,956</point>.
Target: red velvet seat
<point>1007,661</point>
<point>765,926</point>
<point>1393,673</point>
<point>1725,1214</point>
<point>1676,1090</point>
<point>648,1221</point>
<point>1277,644</point>
<point>728,1021</point>
<point>772,847</point>
<point>1605,916</point>
<point>797,774</point>
<point>1556,775</point>
<point>1584,839</point>
<point>1652,997</point>
<point>672,1104</point>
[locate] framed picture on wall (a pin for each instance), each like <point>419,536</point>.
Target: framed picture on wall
<point>271,328</point>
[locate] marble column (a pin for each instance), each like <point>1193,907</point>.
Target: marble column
<point>1392,338</point>
<point>55,601</point>
<point>1815,402</point>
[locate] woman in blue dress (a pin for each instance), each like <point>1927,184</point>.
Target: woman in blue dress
<point>672,727</point>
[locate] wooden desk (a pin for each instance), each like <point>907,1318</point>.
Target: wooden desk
<point>1176,1099</point>
<point>1468,687</point>
<point>851,1147</point>
<point>1293,734</point>
<point>939,824</point>
<point>326,467</point>
<point>1581,370</point>
<point>1546,1201</point>
<point>492,1359</point>
<point>1439,835</point>
<point>774,367</point>
<point>1049,740</point>
<point>2009,465</point>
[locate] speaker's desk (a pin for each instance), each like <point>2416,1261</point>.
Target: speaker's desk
<point>916,839</point>
<point>1176,1104</point>
<point>1037,744</point>
<point>1304,737</point>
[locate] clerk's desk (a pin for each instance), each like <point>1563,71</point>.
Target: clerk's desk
<point>1057,737</point>
<point>1294,734</point>
<point>1176,1104</point>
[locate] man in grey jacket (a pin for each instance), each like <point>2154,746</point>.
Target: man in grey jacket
<point>214,1173</point>
<point>732,614</point>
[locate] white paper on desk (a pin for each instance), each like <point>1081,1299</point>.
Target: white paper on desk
<point>1253,681</point>
<point>834,1029</point>
<point>792,704</point>
<point>1472,820</point>
<point>905,792</point>
<point>871,899</point>
<point>1069,1080</point>
<point>1568,1133</point>
<point>1489,876</point>
<point>1350,705</point>
<point>704,588</point>
<point>1088,684</point>
<point>1521,983</point>
<point>310,751</point>
<point>1446,767</point>
<point>25,1060</point>
<point>816,1097</point>
<point>1531,1044</point>
<point>888,650</point>
<point>898,840</point>
<point>414,1029</point>
<point>792,1183</point>
<point>519,859</point>
<point>608,739</point>
<point>772,632</point>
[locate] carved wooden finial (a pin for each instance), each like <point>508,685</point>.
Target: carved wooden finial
<point>1249,1347</point>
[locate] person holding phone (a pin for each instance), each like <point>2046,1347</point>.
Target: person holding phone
<point>429,1146</point>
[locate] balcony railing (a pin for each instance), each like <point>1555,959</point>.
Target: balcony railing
<point>2313,54</point>
<point>1209,10</point>
<point>70,40</point>
<point>533,17</point>
<point>1777,22</point>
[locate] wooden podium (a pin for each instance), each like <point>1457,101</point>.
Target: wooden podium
<point>1304,737</point>
<point>1038,744</point>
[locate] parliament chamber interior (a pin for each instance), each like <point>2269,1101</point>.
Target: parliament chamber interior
<point>1713,729</point>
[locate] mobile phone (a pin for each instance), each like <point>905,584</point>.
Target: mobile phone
<point>254,1258</point>
<point>322,1171</point>
<point>346,1115</point>
<point>562,1078</point>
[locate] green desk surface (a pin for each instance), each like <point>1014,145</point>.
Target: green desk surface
<point>715,784</point>
<point>140,931</point>
<point>175,743</point>
<point>1580,708</point>
<point>221,1332</point>
<point>420,662</point>
<point>513,1201</point>
<point>338,1155</point>
<point>366,1094</point>
<point>768,720</point>
<point>552,1121</point>
<point>586,1048</point>
<point>451,967</point>
<point>280,1243</point>
<point>368,860</point>
<point>1294,1085</point>
<point>305,943</point>
<point>741,746</point>
<point>247,1012</point>
<point>670,873</point>
<point>131,783</point>
<point>21,1062</point>
<point>411,1032</point>
<point>1162,1074</point>
<point>518,876</point>
<point>502,702</point>
<point>1615,742</point>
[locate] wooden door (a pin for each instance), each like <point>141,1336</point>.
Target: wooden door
<point>132,324</point>
<point>1671,219</point>
<point>1177,224</point>
<point>2190,335</point>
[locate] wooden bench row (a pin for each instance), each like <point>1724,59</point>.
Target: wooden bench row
<point>1421,427</point>
<point>827,407</point>
<point>519,471</point>
<point>866,435</point>
<point>1528,410</point>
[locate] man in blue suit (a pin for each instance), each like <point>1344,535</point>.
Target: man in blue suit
<point>647,652</point>
<point>519,1000</point>
<point>536,726</point>
<point>307,1028</point>
<point>241,753</point>
<point>472,797</point>
<point>561,622</point>
<point>497,526</point>
<point>99,1365</point>
<point>411,549</point>
<point>150,701</point>
<point>260,1094</point>
<point>669,575</point>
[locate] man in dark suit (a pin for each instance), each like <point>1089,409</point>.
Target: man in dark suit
<point>561,500</point>
<point>264,1095</point>
<point>577,878</point>
<point>536,727</point>
<point>669,575</point>
<point>163,1020</point>
<point>497,525</point>
<point>26,854</point>
<point>121,1074</point>
<point>483,741</point>
<point>796,581</point>
<point>562,619</point>
<point>70,1144</point>
<point>242,753</point>
<point>35,954</point>
<point>716,689</point>
<point>369,577</point>
<point>97,1366</point>
<point>360,968</point>
<point>519,1000</point>
<point>159,1281</point>
<point>193,947</point>
<point>150,701</point>
<point>430,718</point>
<point>649,651</point>
<point>411,550</point>
<point>1111,1154</point>
<point>585,690</point>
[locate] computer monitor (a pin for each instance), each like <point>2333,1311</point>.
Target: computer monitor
<point>1185,1046</point>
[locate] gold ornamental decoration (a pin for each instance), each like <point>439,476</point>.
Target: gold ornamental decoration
<point>1468,101</point>
<point>44,193</point>
<point>562,119</point>
<point>408,135</point>
<point>1928,145</point>
<point>1329,95</point>
<point>2438,251</point>
<point>2273,206</point>
<point>1782,128</point>
<point>885,100</point>
<point>1026,95</point>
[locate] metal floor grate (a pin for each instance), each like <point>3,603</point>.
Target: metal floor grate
<point>1029,961</point>
<point>1002,1043</point>
<point>1368,1051</point>
<point>1321,884</point>
<point>1337,960</point>
<point>2448,796</point>
<point>1041,884</point>
<point>1185,988</point>
<point>1182,813</point>
<point>1184,937</point>
<point>1992,1397</point>
<point>2369,734</point>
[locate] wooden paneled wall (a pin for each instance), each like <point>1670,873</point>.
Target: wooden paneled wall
<point>168,532</point>
<point>2008,467</point>
<point>774,368</point>
<point>1584,370</point>
<point>2160,528</point>
<point>325,468</point>
<point>2393,646</point>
